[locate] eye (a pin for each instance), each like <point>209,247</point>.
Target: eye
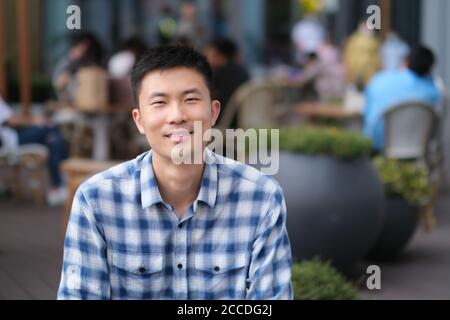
<point>158,103</point>
<point>192,100</point>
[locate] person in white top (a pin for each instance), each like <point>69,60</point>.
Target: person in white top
<point>308,36</point>
<point>121,63</point>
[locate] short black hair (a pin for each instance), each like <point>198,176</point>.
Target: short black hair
<point>421,60</point>
<point>169,57</point>
<point>224,46</point>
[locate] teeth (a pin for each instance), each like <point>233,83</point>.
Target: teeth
<point>179,136</point>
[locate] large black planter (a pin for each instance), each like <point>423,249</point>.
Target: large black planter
<point>334,208</point>
<point>400,223</point>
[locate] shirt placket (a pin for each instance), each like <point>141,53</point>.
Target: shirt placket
<point>180,259</point>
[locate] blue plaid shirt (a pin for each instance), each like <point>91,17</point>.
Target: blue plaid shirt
<point>124,242</point>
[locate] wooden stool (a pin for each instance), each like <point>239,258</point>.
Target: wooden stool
<point>77,170</point>
<point>37,165</point>
<point>34,158</point>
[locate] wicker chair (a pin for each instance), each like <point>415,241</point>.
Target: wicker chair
<point>32,158</point>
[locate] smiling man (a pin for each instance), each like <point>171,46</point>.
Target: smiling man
<point>153,229</point>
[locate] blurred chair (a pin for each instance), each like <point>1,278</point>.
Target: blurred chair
<point>408,130</point>
<point>91,94</point>
<point>436,152</point>
<point>77,170</point>
<point>255,104</point>
<point>120,93</point>
<point>123,132</point>
<point>30,157</point>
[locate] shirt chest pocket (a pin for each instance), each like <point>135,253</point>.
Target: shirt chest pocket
<point>139,275</point>
<point>222,273</point>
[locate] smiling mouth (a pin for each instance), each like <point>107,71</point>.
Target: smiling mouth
<point>178,136</point>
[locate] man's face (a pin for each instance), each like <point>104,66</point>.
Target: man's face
<point>169,103</point>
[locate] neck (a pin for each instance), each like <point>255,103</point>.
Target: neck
<point>178,184</point>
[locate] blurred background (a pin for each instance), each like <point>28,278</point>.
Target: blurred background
<point>339,90</point>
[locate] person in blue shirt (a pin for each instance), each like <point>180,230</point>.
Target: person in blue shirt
<point>150,228</point>
<point>389,87</point>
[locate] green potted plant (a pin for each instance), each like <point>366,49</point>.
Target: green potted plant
<point>407,189</point>
<point>317,280</point>
<point>333,195</point>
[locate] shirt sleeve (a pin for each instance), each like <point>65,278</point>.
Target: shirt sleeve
<point>271,260</point>
<point>85,269</point>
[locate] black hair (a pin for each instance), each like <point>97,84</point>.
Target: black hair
<point>94,51</point>
<point>169,57</point>
<point>224,46</point>
<point>421,60</point>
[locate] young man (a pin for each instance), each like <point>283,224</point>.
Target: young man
<point>153,229</point>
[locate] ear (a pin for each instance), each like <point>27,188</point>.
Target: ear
<point>137,120</point>
<point>215,111</point>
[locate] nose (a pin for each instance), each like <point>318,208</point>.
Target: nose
<point>176,114</point>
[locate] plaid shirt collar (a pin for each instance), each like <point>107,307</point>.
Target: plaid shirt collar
<point>150,194</point>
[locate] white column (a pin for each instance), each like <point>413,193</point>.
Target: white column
<point>245,21</point>
<point>436,35</point>
<point>100,145</point>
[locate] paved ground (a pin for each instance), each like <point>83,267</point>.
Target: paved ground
<point>31,252</point>
<point>423,271</point>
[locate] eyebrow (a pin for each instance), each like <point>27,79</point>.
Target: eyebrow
<point>157,94</point>
<point>193,90</point>
<point>185,92</point>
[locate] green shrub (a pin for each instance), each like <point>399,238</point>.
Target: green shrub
<point>325,141</point>
<point>404,179</point>
<point>317,280</point>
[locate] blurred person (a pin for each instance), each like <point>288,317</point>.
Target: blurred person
<point>328,53</point>
<point>228,74</point>
<point>318,80</point>
<point>361,56</point>
<point>121,63</point>
<point>120,92</point>
<point>85,50</point>
<point>167,25</point>
<point>15,131</point>
<point>189,30</point>
<point>393,51</point>
<point>153,229</point>
<point>388,87</point>
<point>308,36</point>
<point>78,88</point>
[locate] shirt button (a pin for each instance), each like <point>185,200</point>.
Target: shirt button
<point>180,266</point>
<point>142,269</point>
<point>216,268</point>
<point>180,226</point>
